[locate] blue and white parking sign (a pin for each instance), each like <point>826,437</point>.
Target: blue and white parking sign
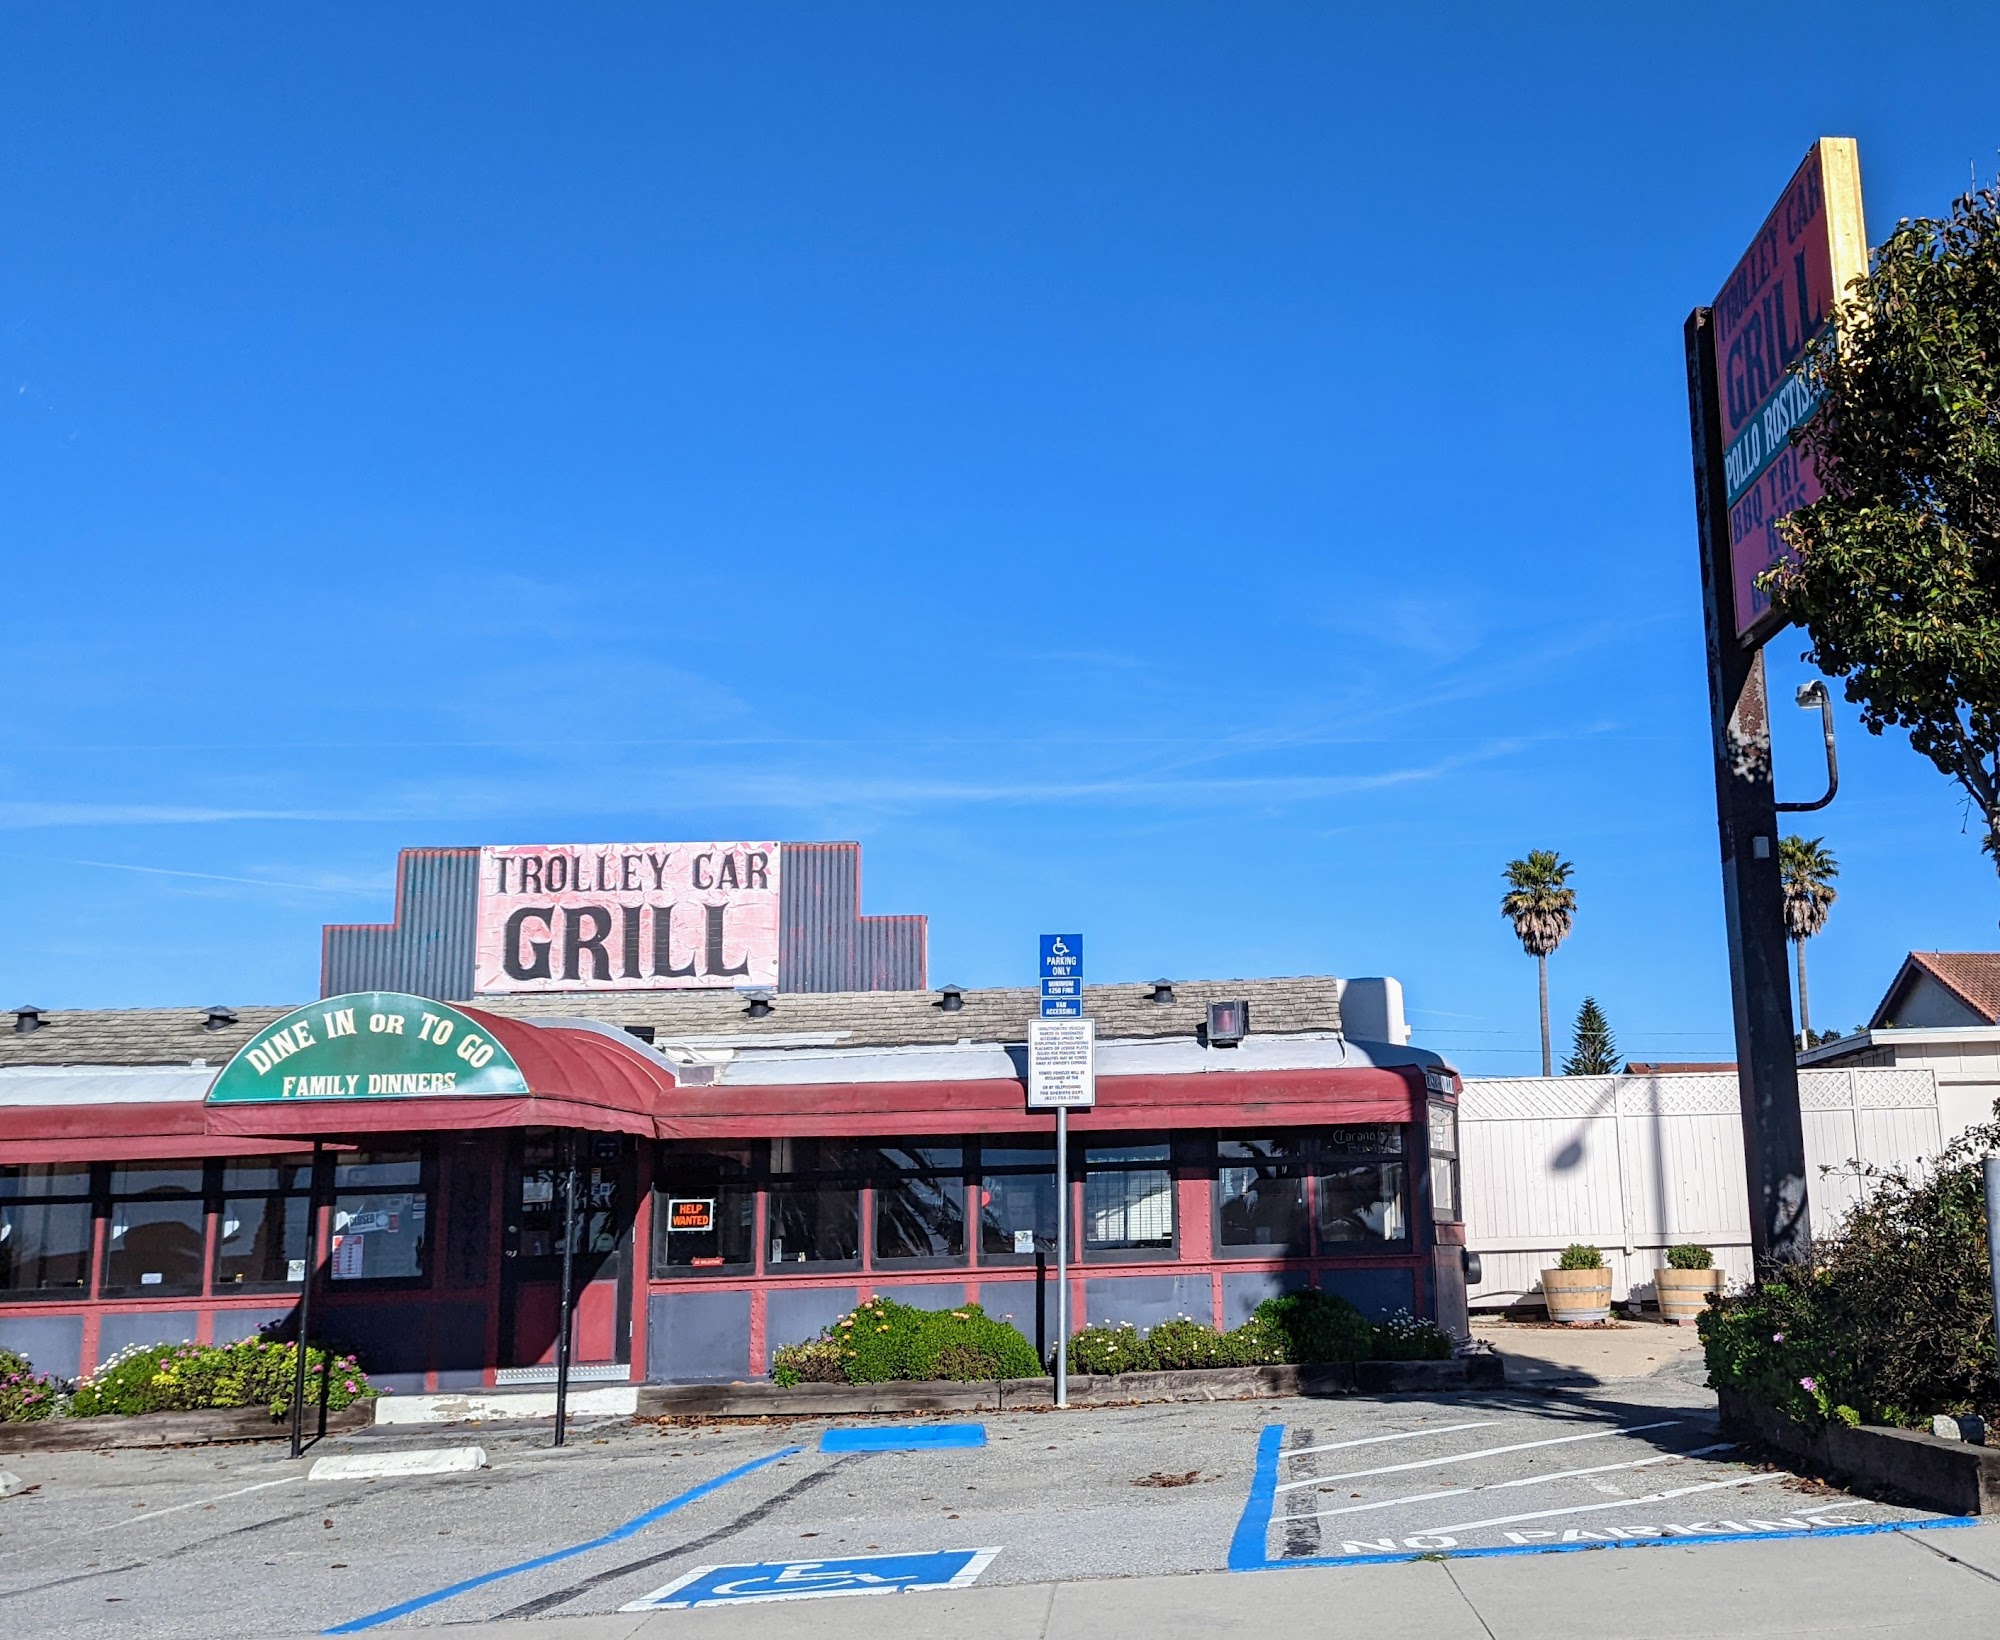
<point>813,1579</point>
<point>1062,956</point>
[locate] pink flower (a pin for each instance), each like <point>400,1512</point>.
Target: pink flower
<point>1809,1385</point>
<point>1777,1338</point>
<point>350,1386</point>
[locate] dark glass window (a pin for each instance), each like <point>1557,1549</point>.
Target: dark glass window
<point>1444,1162</point>
<point>1261,1192</point>
<point>704,1209</point>
<point>539,1211</point>
<point>1128,1196</point>
<point>381,1216</point>
<point>919,1202</point>
<point>1017,1198</point>
<point>814,1212</point>
<point>44,1229</point>
<point>261,1241</point>
<point>153,1245</point>
<point>1363,1188</point>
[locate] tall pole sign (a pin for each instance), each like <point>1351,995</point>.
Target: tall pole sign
<point>1062,1076</point>
<point>1746,400</point>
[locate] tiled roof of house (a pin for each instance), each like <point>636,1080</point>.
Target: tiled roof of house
<point>1971,976</point>
<point>179,1036</point>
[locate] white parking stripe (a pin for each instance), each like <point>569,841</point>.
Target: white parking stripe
<point>1483,1452</point>
<point>1501,1486</point>
<point>176,1508</point>
<point>1593,1508</point>
<point>1376,1440</point>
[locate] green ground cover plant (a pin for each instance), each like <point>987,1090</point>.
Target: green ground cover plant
<point>1407,1337</point>
<point>1892,1322</point>
<point>192,1377</point>
<point>881,1341</point>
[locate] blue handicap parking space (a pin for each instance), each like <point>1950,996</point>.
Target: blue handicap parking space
<point>903,1438</point>
<point>815,1579</point>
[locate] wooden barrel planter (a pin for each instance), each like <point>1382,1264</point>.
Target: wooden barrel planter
<point>1684,1294</point>
<point>1577,1297</point>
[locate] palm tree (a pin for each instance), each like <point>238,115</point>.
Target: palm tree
<point>1806,869</point>
<point>1543,906</point>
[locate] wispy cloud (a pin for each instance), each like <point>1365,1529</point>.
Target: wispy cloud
<point>26,816</point>
<point>370,889</point>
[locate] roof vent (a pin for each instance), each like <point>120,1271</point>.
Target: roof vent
<point>643,1032</point>
<point>217,1018</point>
<point>1228,1023</point>
<point>760,1003</point>
<point>951,998</point>
<point>27,1018</point>
<point>1163,993</point>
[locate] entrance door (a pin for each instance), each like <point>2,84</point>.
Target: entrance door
<point>531,1293</point>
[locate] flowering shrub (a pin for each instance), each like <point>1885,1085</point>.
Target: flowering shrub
<point>1313,1326</point>
<point>1407,1337</point>
<point>1106,1349</point>
<point>1892,1323</point>
<point>27,1396</point>
<point>190,1377</point>
<point>882,1340</point>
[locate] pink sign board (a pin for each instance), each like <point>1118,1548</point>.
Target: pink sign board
<point>627,917</point>
<point>1779,298</point>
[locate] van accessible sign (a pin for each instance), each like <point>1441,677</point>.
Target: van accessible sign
<point>1779,299</point>
<point>368,1045</point>
<point>626,917</point>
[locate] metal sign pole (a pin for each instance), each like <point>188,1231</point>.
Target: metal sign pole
<point>566,1307</point>
<point>305,1306</point>
<point>1753,901</point>
<point>1062,1256</point>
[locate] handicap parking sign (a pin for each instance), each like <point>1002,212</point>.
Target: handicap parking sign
<point>812,1579</point>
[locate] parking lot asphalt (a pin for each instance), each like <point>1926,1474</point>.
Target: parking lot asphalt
<point>206,1541</point>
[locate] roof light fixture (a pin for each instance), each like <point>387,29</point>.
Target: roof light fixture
<point>1228,1023</point>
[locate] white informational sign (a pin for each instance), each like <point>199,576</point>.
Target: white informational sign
<point>1062,1064</point>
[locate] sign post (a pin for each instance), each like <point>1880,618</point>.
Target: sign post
<point>1745,401</point>
<point>1062,1076</point>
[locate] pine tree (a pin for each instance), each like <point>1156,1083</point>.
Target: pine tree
<point>1593,1049</point>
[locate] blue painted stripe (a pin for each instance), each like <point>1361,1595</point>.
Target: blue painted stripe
<point>638,1523</point>
<point>1249,1549</point>
<point>1868,1530</point>
<point>903,1438</point>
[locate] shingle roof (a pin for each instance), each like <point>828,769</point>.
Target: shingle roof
<point>1971,976</point>
<point>176,1036</point>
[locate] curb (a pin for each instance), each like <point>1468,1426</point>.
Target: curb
<point>1948,1476</point>
<point>111,1432</point>
<point>744,1400</point>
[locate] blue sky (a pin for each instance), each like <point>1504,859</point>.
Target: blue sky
<point>1211,477</point>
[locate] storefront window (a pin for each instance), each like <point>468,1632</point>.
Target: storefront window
<point>261,1241</point>
<point>1444,1162</point>
<point>381,1216</point>
<point>44,1229</point>
<point>814,1216</point>
<point>919,1202</point>
<point>705,1208</point>
<point>1128,1197</point>
<point>1017,1198</point>
<point>153,1246</point>
<point>1363,1188</point>
<point>1261,1193</point>
<point>539,1211</point>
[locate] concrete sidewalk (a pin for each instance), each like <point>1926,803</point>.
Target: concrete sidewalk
<point>1539,1353</point>
<point>1896,1586</point>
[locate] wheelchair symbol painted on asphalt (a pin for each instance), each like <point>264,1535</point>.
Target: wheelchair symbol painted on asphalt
<point>815,1579</point>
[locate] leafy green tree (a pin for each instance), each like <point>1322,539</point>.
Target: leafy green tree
<point>1593,1049</point>
<point>1806,869</point>
<point>1897,577</point>
<point>1542,906</point>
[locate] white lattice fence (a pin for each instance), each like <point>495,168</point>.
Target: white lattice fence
<point>1635,1164</point>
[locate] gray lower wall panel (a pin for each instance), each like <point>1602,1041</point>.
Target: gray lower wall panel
<point>52,1343</point>
<point>117,1332</point>
<point>791,1316</point>
<point>1014,1303</point>
<point>1244,1290</point>
<point>1146,1301</point>
<point>924,1295</point>
<point>697,1338</point>
<point>231,1325</point>
<point>1375,1293</point>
